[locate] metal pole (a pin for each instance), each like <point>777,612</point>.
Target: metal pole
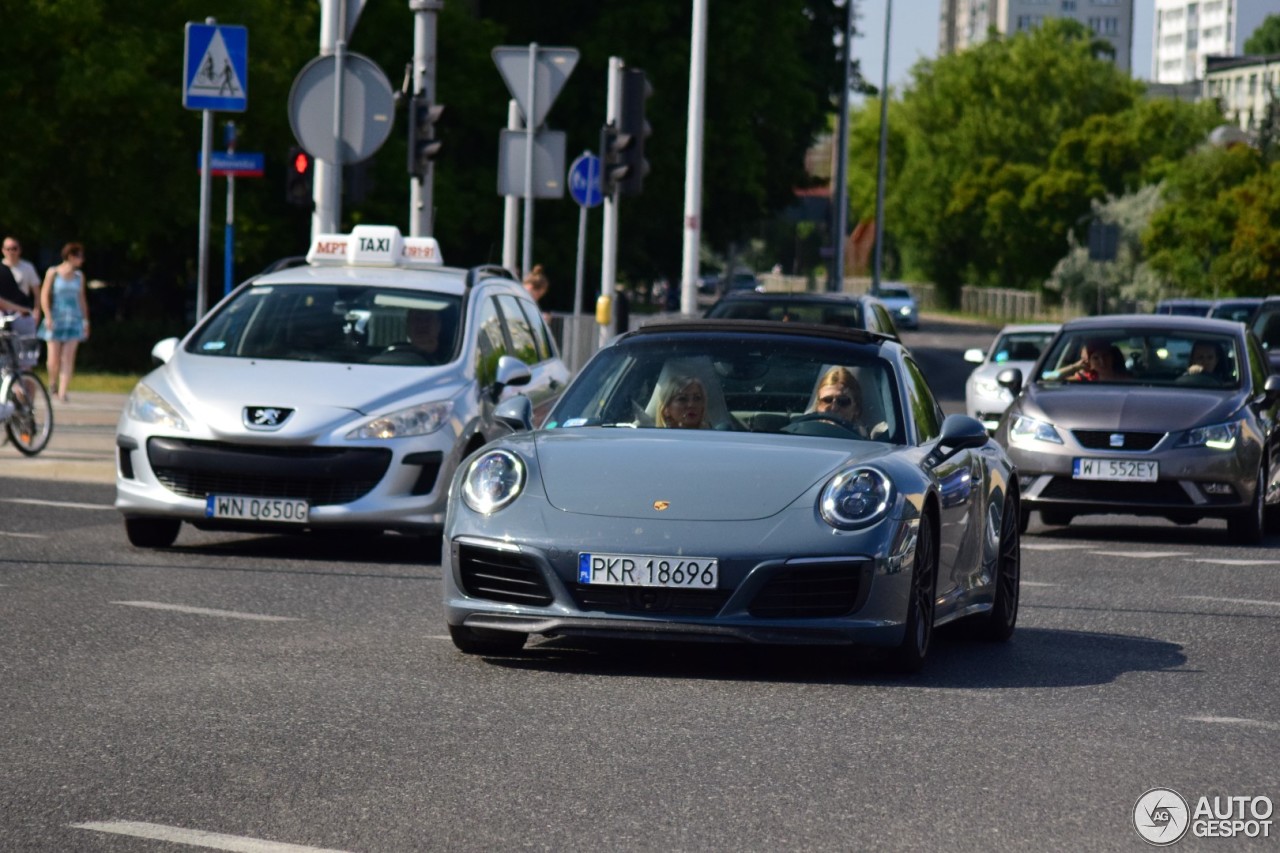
<point>526,253</point>
<point>884,147</point>
<point>421,190</point>
<point>609,239</point>
<point>693,161</point>
<point>229,240</point>
<point>206,179</point>
<point>840,197</point>
<point>511,206</point>
<point>323,216</point>
<point>577,289</point>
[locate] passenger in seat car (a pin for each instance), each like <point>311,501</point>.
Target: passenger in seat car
<point>682,403</point>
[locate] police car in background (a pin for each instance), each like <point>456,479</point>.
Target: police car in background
<point>339,394</point>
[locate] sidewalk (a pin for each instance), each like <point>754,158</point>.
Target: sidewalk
<point>82,448</point>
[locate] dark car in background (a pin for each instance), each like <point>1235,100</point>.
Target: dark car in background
<point>846,310</point>
<point>1184,307</point>
<point>1186,429</point>
<point>1265,325</point>
<point>1238,309</point>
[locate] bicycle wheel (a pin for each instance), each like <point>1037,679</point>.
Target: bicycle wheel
<point>31,424</point>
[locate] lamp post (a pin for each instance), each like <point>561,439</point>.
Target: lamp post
<point>840,197</point>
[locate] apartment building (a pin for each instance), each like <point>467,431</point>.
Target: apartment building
<point>1185,32</point>
<point>963,23</point>
<point>1245,86</point>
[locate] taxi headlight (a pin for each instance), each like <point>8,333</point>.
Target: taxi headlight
<point>422,419</point>
<point>1024,428</point>
<point>492,481</point>
<point>989,387</point>
<point>148,407</point>
<point>855,498</point>
<point>1215,436</point>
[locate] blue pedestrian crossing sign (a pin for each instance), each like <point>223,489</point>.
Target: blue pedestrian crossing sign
<point>216,68</point>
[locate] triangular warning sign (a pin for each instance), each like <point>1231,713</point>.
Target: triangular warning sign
<point>216,75</point>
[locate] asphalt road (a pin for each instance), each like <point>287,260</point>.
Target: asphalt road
<point>270,694</point>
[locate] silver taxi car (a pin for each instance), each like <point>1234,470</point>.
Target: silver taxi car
<point>337,394</point>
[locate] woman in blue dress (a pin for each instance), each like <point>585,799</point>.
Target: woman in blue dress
<point>66,316</point>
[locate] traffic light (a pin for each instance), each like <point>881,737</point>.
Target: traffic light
<point>298,176</point>
<point>423,144</point>
<point>613,151</point>
<point>632,124</point>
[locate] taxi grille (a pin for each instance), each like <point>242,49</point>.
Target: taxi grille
<point>1100,439</point>
<point>1159,493</point>
<point>506,576</point>
<point>321,475</point>
<point>810,592</point>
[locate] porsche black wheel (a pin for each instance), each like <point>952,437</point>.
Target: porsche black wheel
<point>478,641</point>
<point>997,624</point>
<point>909,655</point>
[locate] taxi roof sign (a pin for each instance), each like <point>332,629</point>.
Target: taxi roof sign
<point>374,246</point>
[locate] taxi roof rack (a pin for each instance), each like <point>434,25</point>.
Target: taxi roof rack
<point>488,271</point>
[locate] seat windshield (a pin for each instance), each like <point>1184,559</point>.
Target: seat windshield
<point>344,324</point>
<point>1143,356</point>
<point>787,387</point>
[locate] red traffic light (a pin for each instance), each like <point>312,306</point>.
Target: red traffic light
<point>301,162</point>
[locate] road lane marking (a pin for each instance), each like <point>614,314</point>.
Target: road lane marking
<point>1038,583</point>
<point>22,535</point>
<point>1236,721</point>
<point>63,504</point>
<point>1223,561</point>
<point>1050,546</point>
<point>1234,600</point>
<point>197,837</point>
<point>1141,555</point>
<point>205,611</point>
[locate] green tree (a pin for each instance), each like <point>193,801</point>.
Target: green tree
<point>972,202</point>
<point>1266,38</point>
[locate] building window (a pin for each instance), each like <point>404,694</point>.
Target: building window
<point>1110,26</point>
<point>1068,5</point>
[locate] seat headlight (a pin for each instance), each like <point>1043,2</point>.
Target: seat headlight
<point>1024,428</point>
<point>492,481</point>
<point>855,497</point>
<point>422,419</point>
<point>1215,436</point>
<point>148,407</point>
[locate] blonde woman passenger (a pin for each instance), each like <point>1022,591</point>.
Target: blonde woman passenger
<point>682,403</point>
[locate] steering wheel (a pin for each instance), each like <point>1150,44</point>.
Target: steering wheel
<point>828,417</point>
<point>403,348</point>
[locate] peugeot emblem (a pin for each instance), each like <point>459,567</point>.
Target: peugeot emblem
<point>265,417</point>
<point>661,505</point>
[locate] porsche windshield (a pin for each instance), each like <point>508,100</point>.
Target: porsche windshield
<point>346,324</point>
<point>757,385</point>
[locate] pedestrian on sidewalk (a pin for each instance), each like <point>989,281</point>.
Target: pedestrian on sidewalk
<point>27,280</point>
<point>66,316</point>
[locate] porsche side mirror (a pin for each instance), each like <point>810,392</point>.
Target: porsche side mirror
<point>959,432</point>
<point>517,413</point>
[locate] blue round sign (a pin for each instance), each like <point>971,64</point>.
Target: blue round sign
<point>584,180</point>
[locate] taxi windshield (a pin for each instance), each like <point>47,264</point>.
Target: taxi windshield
<point>342,324</point>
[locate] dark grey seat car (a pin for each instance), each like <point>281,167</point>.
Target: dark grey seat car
<point>848,311</point>
<point>1186,429</point>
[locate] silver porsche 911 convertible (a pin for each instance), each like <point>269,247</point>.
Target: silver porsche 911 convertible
<point>736,481</point>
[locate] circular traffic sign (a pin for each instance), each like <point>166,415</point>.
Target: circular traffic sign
<point>584,180</point>
<point>368,108</point>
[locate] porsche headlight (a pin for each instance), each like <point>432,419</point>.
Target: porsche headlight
<point>1024,428</point>
<point>1215,436</point>
<point>147,406</point>
<point>855,498</point>
<point>492,481</point>
<point>422,419</point>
